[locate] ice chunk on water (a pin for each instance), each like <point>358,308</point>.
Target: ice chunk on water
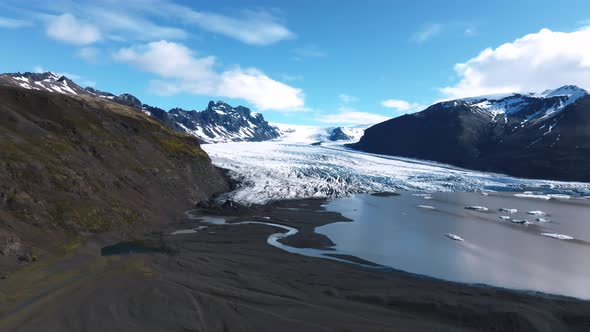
<point>560,196</point>
<point>505,217</point>
<point>542,220</point>
<point>454,237</point>
<point>426,207</point>
<point>508,210</point>
<point>545,197</point>
<point>537,213</point>
<point>558,236</point>
<point>477,208</point>
<point>520,221</point>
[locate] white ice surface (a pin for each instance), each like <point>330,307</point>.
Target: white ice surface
<point>277,170</point>
<point>312,134</point>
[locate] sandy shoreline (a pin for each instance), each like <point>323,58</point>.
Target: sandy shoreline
<point>227,278</point>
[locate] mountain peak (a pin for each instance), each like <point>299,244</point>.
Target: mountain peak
<point>47,76</point>
<point>566,90</point>
<point>220,106</point>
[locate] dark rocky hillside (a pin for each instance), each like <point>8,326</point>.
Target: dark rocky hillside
<point>73,165</point>
<point>535,137</point>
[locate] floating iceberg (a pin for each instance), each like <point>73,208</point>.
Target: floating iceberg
<point>545,197</point>
<point>426,207</point>
<point>508,210</point>
<point>477,208</point>
<point>537,213</point>
<point>454,237</point>
<point>558,236</point>
<point>559,196</point>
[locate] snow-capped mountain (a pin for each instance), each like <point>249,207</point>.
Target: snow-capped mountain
<point>52,82</point>
<point>47,81</point>
<point>219,122</point>
<point>538,135</point>
<point>531,105</point>
<point>315,134</point>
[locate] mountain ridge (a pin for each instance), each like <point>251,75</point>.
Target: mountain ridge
<point>526,135</point>
<point>219,122</point>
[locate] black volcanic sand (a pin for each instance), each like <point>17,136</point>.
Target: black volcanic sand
<point>227,278</point>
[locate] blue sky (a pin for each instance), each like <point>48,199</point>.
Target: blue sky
<point>319,62</point>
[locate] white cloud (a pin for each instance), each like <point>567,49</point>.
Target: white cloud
<point>427,32</point>
<point>535,62</point>
<point>402,105</point>
<point>183,71</point>
<point>90,54</point>
<point>347,98</point>
<point>69,29</point>
<point>250,27</point>
<point>351,116</point>
<point>10,23</point>
<point>147,20</point>
<point>256,28</point>
<point>127,24</point>
<point>253,85</point>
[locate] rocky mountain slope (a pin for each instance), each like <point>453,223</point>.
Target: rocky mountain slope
<point>73,164</point>
<point>537,135</point>
<point>219,122</point>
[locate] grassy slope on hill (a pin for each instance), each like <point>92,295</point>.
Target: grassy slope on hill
<point>73,165</point>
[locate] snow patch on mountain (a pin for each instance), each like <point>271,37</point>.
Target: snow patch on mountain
<point>48,81</point>
<point>508,104</point>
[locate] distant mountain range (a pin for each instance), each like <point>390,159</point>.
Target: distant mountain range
<point>536,135</point>
<point>217,123</point>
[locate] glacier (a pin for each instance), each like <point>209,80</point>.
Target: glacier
<point>276,170</point>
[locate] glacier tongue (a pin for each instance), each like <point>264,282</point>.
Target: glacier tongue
<point>277,170</point>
